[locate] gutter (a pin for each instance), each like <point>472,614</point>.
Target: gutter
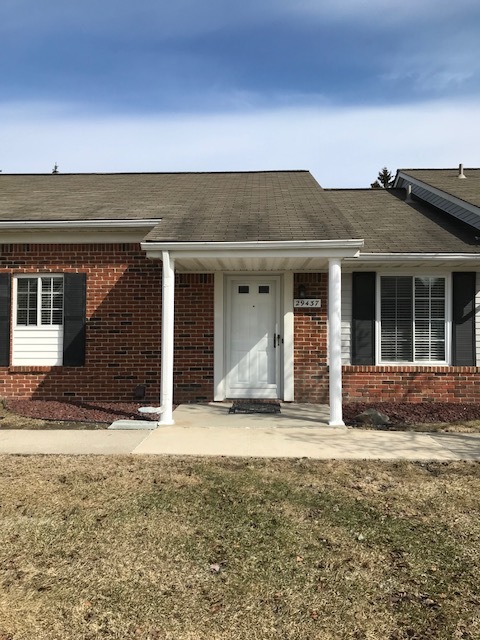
<point>291,248</point>
<point>64,224</point>
<point>395,257</point>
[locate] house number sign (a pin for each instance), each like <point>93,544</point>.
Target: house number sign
<point>306,302</point>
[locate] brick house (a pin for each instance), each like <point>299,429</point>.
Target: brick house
<point>206,286</point>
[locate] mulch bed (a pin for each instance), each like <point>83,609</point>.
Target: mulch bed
<point>416,413</point>
<point>78,411</point>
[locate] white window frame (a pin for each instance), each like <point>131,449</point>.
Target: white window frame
<point>448,319</point>
<point>38,277</point>
<point>36,344</point>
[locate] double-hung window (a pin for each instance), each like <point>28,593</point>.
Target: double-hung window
<point>38,320</point>
<point>413,319</point>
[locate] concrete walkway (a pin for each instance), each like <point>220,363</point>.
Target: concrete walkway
<point>299,431</point>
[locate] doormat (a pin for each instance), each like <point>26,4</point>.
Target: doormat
<point>242,406</point>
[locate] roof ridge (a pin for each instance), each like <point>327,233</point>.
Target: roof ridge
<point>158,173</point>
<point>440,169</point>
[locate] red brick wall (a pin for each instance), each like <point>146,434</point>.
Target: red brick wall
<point>411,384</point>
<point>372,383</point>
<point>124,291</point>
<point>310,341</point>
<point>124,326</point>
<point>194,318</point>
<point>123,323</point>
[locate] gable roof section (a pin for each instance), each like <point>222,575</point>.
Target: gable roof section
<point>221,207</point>
<point>447,180</point>
<point>251,207</point>
<point>388,224</point>
<point>79,197</point>
<point>443,189</point>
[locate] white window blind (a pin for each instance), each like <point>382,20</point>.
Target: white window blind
<point>396,319</point>
<point>39,301</point>
<point>429,319</point>
<point>412,315</point>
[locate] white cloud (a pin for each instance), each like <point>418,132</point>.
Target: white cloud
<point>342,147</point>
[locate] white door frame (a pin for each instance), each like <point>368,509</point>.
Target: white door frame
<point>285,320</point>
<point>256,389</point>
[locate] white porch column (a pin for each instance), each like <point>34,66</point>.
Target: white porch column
<point>335,341</point>
<point>168,300</point>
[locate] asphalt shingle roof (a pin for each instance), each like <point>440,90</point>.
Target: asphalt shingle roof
<point>390,225</point>
<point>80,196</point>
<point>229,207</point>
<point>243,206</point>
<point>447,180</point>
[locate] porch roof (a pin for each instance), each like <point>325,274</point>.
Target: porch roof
<point>204,257</point>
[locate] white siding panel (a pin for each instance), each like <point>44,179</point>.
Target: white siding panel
<point>477,317</point>
<point>346,316</point>
<point>37,346</point>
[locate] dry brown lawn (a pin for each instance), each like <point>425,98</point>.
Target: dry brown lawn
<point>186,548</point>
<point>13,421</point>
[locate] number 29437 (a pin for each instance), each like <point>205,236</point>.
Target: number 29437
<point>306,302</point>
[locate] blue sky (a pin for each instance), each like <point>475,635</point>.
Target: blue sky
<point>341,87</point>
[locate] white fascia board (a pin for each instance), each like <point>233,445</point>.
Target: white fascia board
<point>88,224</point>
<point>442,194</point>
<point>399,257</point>
<point>289,248</point>
<point>76,236</point>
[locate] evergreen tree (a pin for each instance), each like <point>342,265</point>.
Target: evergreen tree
<point>384,180</point>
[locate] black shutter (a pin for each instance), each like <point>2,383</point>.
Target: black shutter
<point>74,318</point>
<point>463,326</point>
<point>5,314</point>
<point>363,318</point>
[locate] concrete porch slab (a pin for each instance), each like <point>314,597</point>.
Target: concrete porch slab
<point>215,414</point>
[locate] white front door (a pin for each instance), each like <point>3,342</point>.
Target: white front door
<point>253,337</point>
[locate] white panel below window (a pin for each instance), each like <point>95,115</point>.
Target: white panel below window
<point>37,346</point>
<point>477,317</point>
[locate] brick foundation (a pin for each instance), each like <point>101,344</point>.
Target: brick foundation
<point>411,384</point>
